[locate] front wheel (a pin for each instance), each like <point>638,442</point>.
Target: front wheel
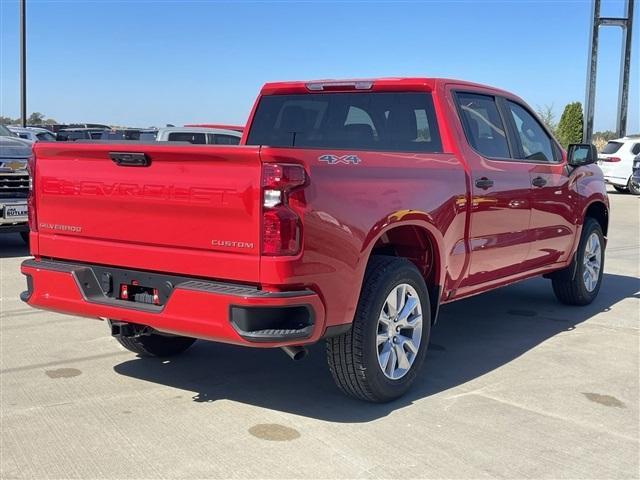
<point>580,283</point>
<point>379,358</point>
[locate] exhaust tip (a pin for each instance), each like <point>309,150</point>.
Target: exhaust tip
<point>295,352</point>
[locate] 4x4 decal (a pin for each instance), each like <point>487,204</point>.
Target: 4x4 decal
<point>334,159</point>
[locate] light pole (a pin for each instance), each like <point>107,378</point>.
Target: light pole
<point>23,62</point>
<point>625,23</point>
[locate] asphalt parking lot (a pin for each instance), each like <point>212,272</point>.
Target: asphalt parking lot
<point>516,385</point>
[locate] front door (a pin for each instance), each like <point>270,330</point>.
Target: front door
<point>553,203</point>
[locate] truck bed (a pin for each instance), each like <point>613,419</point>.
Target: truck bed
<point>176,214</point>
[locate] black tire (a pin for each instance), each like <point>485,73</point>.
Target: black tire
<point>25,237</point>
<point>621,189</point>
<point>155,345</point>
<point>353,356</point>
<point>633,188</point>
<point>568,285</point>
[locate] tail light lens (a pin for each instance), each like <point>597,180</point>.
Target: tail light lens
<point>612,159</point>
<point>31,196</point>
<point>281,225</point>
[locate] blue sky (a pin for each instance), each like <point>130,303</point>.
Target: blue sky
<point>142,63</point>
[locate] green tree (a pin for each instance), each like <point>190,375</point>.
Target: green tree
<point>36,118</point>
<point>606,135</point>
<point>570,126</point>
<point>6,120</point>
<point>547,117</point>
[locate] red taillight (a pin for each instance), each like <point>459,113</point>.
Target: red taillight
<point>281,226</point>
<point>124,291</point>
<point>280,231</point>
<point>282,177</point>
<point>612,159</point>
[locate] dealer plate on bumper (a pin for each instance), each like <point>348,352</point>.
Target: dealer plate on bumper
<point>15,212</point>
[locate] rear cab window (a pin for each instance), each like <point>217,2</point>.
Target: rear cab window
<point>221,139</point>
<point>376,121</point>
<point>191,137</point>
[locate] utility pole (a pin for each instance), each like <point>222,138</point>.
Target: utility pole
<point>23,63</point>
<point>625,23</point>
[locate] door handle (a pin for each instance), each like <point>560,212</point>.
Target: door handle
<point>484,183</point>
<point>125,159</point>
<point>538,182</point>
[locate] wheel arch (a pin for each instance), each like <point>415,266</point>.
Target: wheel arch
<point>416,239</point>
<point>599,211</point>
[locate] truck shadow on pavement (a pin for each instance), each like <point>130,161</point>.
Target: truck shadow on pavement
<point>472,338</point>
<point>12,246</point>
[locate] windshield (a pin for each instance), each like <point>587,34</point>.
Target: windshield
<point>46,137</point>
<point>5,132</point>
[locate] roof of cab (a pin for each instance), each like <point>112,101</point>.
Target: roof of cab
<point>367,84</point>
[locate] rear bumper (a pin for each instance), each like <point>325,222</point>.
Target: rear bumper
<point>222,312</point>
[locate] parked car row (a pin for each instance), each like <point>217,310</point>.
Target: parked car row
<point>201,135</point>
<point>617,163</point>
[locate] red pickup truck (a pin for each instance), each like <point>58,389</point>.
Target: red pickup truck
<point>350,212</point>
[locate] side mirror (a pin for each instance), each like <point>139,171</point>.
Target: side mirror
<point>580,154</point>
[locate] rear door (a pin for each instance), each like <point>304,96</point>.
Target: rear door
<point>499,233</point>
<point>191,209</point>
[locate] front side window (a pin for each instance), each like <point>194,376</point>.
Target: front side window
<point>533,140</point>
<point>483,125</point>
<point>380,121</point>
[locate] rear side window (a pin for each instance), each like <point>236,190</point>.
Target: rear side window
<point>198,138</point>
<point>220,139</point>
<point>402,122</point>
<point>611,147</point>
<point>483,125</point>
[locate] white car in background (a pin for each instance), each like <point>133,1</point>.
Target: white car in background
<point>33,134</point>
<point>616,162</point>
<point>199,135</point>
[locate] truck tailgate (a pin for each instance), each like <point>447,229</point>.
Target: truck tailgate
<point>193,210</point>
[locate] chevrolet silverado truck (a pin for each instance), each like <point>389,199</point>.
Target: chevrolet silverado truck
<point>350,212</point>
<point>14,183</point>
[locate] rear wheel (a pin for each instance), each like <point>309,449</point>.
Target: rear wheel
<point>580,283</point>
<point>155,345</point>
<point>25,237</point>
<point>379,358</point>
